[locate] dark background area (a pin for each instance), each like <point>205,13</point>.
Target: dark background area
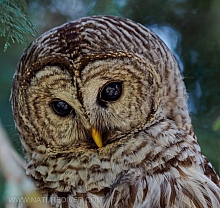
<point>196,21</point>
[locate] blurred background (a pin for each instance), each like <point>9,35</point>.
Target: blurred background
<point>191,29</point>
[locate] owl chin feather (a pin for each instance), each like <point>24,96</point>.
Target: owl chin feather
<point>118,78</point>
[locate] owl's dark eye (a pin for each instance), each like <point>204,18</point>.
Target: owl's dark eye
<point>61,108</point>
<point>112,91</point>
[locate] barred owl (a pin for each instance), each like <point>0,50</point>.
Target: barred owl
<point>101,110</point>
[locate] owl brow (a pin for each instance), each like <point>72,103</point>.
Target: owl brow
<point>111,54</point>
<point>47,61</point>
<point>87,59</point>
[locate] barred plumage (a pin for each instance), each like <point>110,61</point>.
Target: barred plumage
<point>118,77</point>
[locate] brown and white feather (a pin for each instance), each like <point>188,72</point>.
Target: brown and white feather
<point>150,158</point>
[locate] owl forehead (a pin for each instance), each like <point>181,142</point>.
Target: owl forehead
<point>93,38</point>
<point>74,45</point>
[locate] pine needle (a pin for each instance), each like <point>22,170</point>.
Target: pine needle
<point>15,24</point>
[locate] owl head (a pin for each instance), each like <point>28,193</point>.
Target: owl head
<point>93,91</point>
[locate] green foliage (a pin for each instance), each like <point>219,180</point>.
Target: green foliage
<point>216,125</point>
<point>15,24</point>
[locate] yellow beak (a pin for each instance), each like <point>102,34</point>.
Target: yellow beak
<point>96,137</point>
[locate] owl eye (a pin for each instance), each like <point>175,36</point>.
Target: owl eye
<point>112,91</point>
<point>61,108</point>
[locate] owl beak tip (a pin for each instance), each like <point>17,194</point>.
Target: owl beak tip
<point>96,137</point>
